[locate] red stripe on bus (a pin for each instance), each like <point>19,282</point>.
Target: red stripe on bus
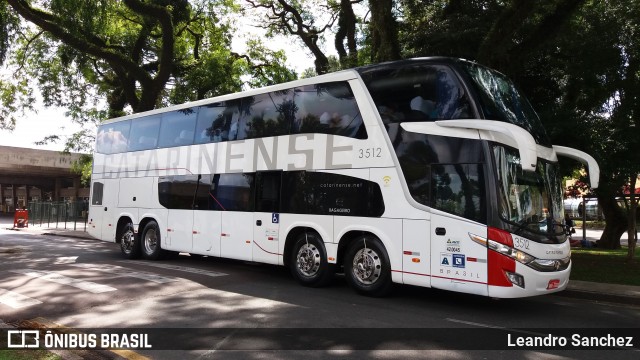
<point>268,252</point>
<point>216,200</point>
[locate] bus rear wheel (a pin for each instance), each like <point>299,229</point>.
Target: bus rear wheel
<point>367,267</point>
<point>151,249</point>
<point>129,244</point>
<point>309,261</point>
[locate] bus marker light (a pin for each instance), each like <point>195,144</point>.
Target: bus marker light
<point>415,260</point>
<point>248,241</point>
<point>553,284</point>
<point>331,259</point>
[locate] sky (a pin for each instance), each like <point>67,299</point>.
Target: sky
<point>33,127</point>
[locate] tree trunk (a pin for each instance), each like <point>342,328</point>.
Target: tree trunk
<point>384,32</point>
<point>616,222</point>
<point>347,30</point>
<point>631,219</point>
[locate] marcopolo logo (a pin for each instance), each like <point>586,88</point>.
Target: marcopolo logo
<point>23,339</point>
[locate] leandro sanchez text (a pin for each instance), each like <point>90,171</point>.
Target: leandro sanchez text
<point>576,340</point>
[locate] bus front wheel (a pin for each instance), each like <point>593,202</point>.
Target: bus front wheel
<point>309,261</point>
<point>129,244</point>
<point>367,267</point>
<point>151,249</point>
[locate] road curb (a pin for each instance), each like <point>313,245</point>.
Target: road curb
<point>86,237</point>
<point>600,297</point>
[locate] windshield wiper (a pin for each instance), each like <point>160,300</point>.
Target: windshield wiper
<point>524,223</point>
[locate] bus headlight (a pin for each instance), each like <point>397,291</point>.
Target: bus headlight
<point>518,255</point>
<point>551,265</point>
<point>501,242</point>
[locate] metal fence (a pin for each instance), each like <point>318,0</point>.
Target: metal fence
<point>62,214</point>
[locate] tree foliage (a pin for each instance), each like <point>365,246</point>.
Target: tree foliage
<point>133,55</point>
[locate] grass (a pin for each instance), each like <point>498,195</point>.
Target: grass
<point>31,354</point>
<point>591,224</point>
<point>604,266</point>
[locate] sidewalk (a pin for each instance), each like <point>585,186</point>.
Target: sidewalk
<point>56,229</point>
<point>622,294</point>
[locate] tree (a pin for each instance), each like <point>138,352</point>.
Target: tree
<point>383,31</point>
<point>297,18</point>
<point>574,59</point>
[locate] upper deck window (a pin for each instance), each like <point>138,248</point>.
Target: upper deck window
<point>113,137</point>
<point>177,128</point>
<point>417,93</point>
<point>144,133</point>
<point>328,108</point>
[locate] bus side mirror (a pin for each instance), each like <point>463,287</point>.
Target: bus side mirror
<point>583,157</point>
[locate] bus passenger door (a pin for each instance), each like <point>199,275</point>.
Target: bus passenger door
<point>267,217</point>
<point>457,262</point>
<point>458,249</point>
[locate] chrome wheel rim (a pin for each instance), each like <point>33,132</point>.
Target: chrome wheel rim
<point>367,266</point>
<point>128,241</point>
<point>308,260</point>
<point>150,241</point>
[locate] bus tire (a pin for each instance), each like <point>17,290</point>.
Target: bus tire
<point>309,261</point>
<point>367,267</point>
<point>150,241</point>
<point>129,244</point>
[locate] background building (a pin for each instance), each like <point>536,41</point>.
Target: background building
<point>29,174</point>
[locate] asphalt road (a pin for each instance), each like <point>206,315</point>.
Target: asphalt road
<point>214,308</point>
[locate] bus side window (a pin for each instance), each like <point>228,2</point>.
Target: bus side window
<point>328,108</point>
<point>268,192</point>
<point>267,115</point>
<point>144,133</point>
<point>96,197</point>
<point>233,192</point>
<point>113,138</point>
<point>459,189</point>
<point>177,128</point>
<point>210,123</point>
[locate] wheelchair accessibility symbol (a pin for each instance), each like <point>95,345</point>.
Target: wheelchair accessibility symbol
<point>275,218</point>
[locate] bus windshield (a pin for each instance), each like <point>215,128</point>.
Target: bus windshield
<point>530,202</point>
<point>500,100</point>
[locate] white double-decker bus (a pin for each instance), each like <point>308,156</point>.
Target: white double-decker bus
<point>433,172</point>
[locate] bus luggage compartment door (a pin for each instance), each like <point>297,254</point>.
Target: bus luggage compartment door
<point>108,209</point>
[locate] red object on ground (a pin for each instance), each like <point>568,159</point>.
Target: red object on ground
<point>21,219</point>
